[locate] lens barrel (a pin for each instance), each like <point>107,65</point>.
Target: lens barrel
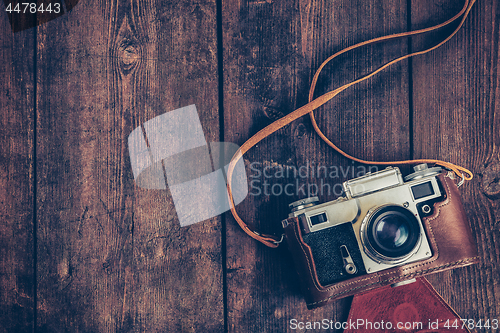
<point>390,233</point>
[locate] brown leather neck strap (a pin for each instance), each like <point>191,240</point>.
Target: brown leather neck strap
<point>273,241</point>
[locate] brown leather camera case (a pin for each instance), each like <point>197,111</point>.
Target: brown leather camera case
<point>449,236</point>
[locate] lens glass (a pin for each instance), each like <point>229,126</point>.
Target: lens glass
<point>393,232</point>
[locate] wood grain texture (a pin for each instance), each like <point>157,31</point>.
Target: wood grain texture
<point>456,118</point>
<point>112,257</point>
<point>17,105</point>
<point>270,52</point>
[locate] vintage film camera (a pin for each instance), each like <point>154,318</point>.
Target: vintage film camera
<point>376,226</point>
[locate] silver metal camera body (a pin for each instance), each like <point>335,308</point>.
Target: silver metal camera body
<point>377,224</point>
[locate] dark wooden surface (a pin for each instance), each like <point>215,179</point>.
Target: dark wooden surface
<point>83,249</point>
<point>17,103</point>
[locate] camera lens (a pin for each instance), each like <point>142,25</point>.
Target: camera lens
<point>392,232</point>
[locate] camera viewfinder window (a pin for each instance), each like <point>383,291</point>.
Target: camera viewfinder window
<point>317,219</point>
<point>422,190</point>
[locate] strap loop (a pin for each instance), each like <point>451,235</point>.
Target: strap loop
<point>465,174</point>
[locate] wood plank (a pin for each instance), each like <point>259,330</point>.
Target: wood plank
<point>456,119</point>
<point>17,103</point>
<point>271,50</point>
<point>112,256</point>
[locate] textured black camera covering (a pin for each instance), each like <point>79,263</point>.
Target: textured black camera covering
<point>325,247</point>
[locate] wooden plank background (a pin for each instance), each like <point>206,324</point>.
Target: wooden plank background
<point>17,241</point>
<point>83,249</point>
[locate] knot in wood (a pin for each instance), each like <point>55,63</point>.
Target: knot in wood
<point>301,130</point>
<point>129,55</point>
<point>272,112</point>
<point>490,183</point>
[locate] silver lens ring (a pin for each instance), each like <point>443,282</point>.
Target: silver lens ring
<point>390,234</point>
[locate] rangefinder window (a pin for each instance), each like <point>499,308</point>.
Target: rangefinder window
<point>422,190</point>
<point>318,219</point>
